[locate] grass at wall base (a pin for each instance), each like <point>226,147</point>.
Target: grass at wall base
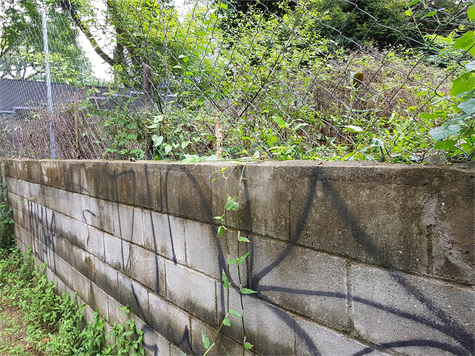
<point>35,321</point>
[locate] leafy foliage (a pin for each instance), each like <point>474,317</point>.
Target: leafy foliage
<point>6,222</point>
<point>21,44</point>
<point>54,323</point>
<point>457,135</point>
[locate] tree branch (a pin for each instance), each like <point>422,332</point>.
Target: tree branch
<point>68,6</point>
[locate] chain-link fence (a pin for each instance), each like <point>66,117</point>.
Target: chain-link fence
<point>311,79</point>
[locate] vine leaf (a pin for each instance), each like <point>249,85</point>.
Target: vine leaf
<point>248,346</point>
<point>231,204</point>
<point>242,258</point>
<point>205,340</point>
<point>226,322</point>
<point>220,231</point>
<point>225,280</point>
<point>248,291</point>
<point>243,239</point>
<point>235,313</point>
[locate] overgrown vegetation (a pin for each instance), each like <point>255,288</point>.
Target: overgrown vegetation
<point>36,321</point>
<point>284,91</point>
<point>317,79</point>
<point>6,222</point>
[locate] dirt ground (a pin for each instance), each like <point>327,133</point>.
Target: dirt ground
<point>13,340</point>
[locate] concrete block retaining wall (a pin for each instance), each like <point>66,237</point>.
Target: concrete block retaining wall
<point>348,259</point>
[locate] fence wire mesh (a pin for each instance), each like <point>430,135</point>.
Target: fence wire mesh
<point>301,79</point>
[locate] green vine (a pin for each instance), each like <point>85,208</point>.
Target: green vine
<point>232,206</point>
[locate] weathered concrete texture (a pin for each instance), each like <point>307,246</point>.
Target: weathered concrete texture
<point>148,268</point>
<point>192,291</point>
<point>207,253</point>
<point>318,340</point>
<point>186,191</point>
<point>164,234</point>
<point>452,226</point>
<point>344,256</point>
<point>304,193</point>
<point>301,280</point>
<point>224,345</point>
<point>133,294</point>
<point>370,222</point>
<point>413,315</point>
<point>269,328</point>
<point>170,321</point>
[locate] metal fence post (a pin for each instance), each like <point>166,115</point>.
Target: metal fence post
<point>48,85</point>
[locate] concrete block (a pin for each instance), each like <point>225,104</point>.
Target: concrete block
<point>192,291</point>
<point>74,231</point>
<point>165,235</point>
<point>117,252</point>
<point>208,254</point>
<point>301,280</point>
<point>186,191</point>
<point>94,179</point>
<point>412,315</point>
<point>81,207</point>
<point>14,200</point>
<point>14,186</point>
<point>88,313</point>
<point>35,191</point>
<point>21,246</point>
<point>106,278</point>
<point>450,219</point>
<point>154,343</point>
<point>60,201</point>
<point>61,269</point>
<point>52,173</point>
<point>39,251</point>
<point>148,268</point>
<point>60,287</point>
<point>264,201</point>
<point>269,328</point>
<point>22,203</point>
<point>82,286</point>
<point>102,216</point>
<point>23,236</point>
<point>148,186</point>
<point>134,295</point>
<point>137,233</point>
<point>100,301</point>
<point>128,224</point>
<point>315,339</point>
<point>170,321</point>
<point>224,345</point>
<point>67,251</point>
<point>50,276</point>
<point>116,315</point>
<point>41,219</point>
<point>36,259</point>
<point>19,218</point>
<point>30,171</point>
<point>72,176</point>
<point>122,176</point>
<point>372,221</point>
<point>95,242</point>
<point>23,188</point>
<point>175,351</point>
<point>204,250</point>
<point>85,263</point>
